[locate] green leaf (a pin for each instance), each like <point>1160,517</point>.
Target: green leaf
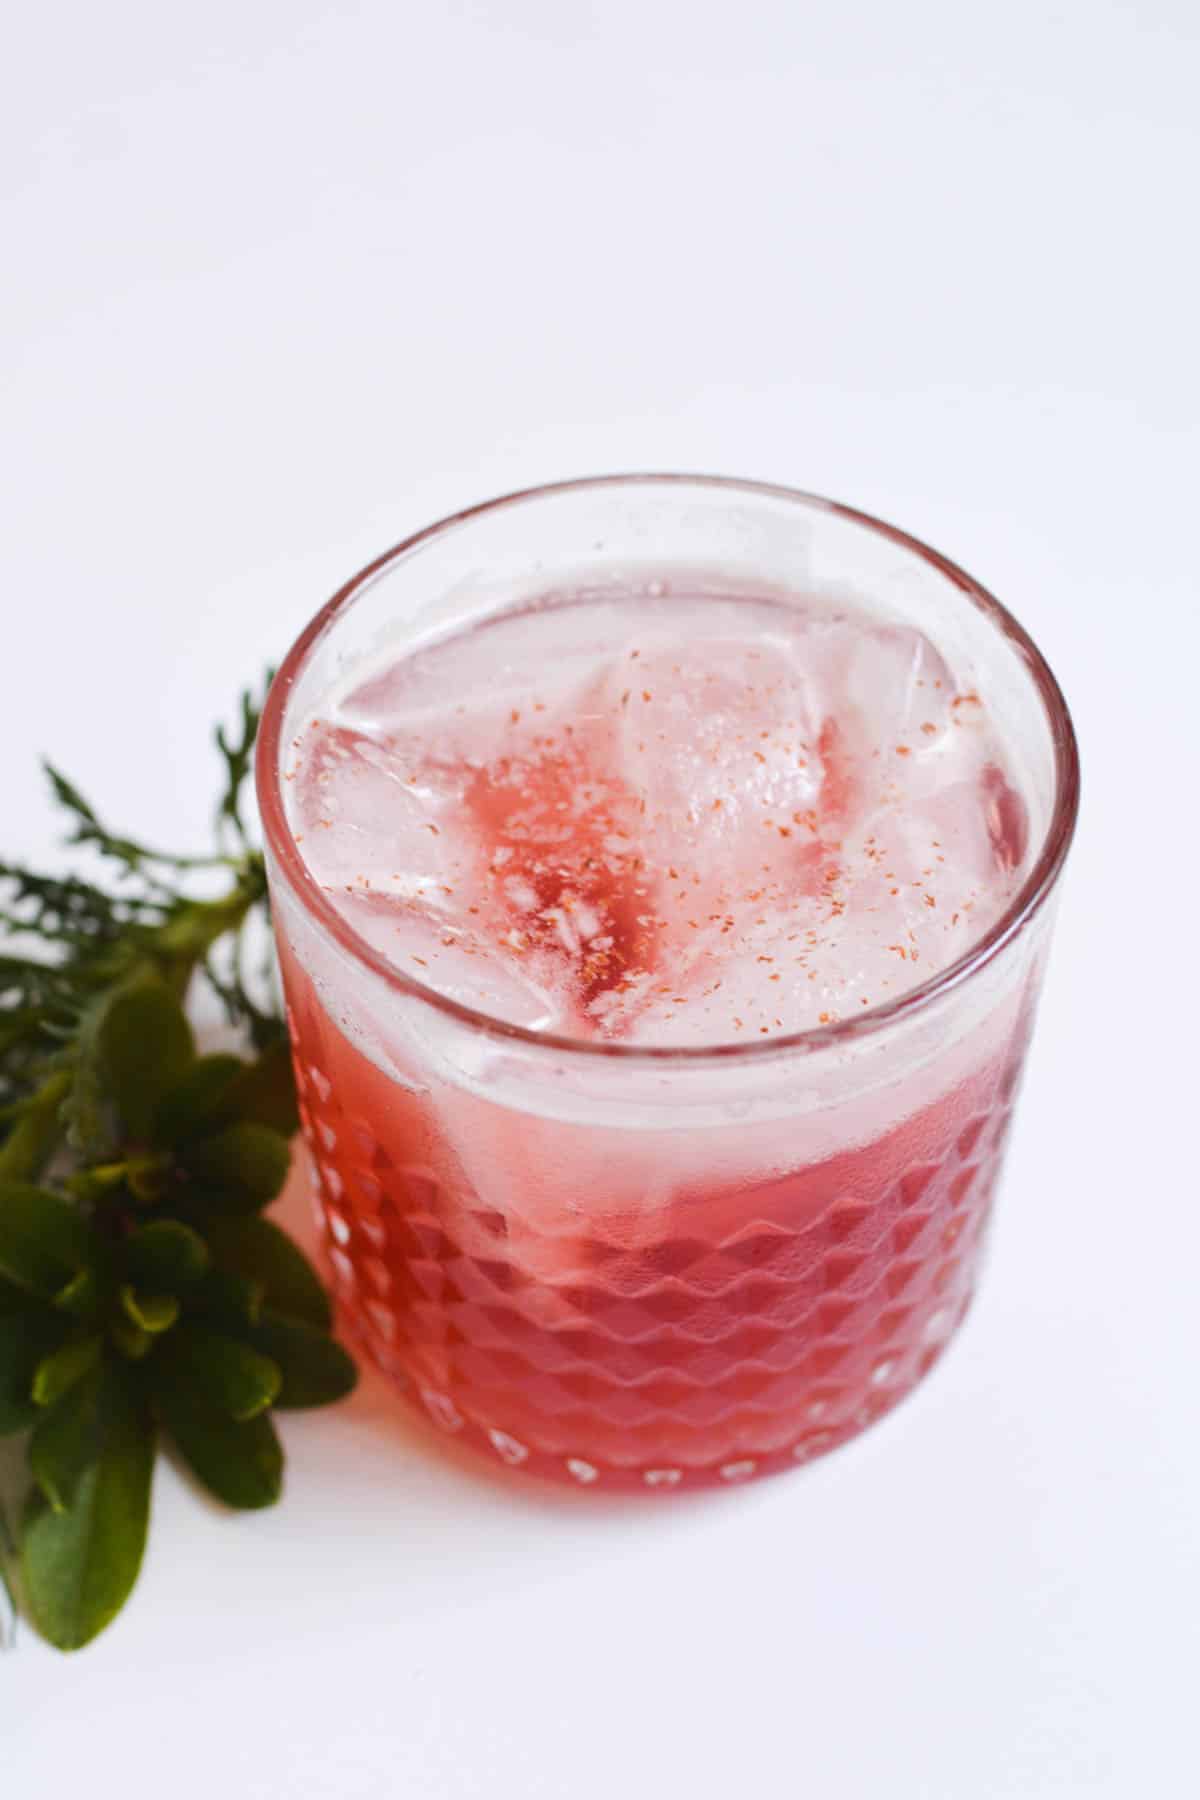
<point>259,1249</point>
<point>153,1312</point>
<point>240,1463</point>
<point>81,1297</point>
<point>97,1183</point>
<point>237,751</point>
<point>225,1375</point>
<point>63,1368</point>
<point>166,1255</point>
<point>146,1047</point>
<point>79,1566</point>
<point>89,1129</point>
<point>26,1338</point>
<point>199,1100</point>
<point>36,1131</point>
<point>218,1091</point>
<point>69,796</point>
<point>316,1370</point>
<point>239,1170</point>
<point>44,1239</point>
<point>149,1177</point>
<point>265,1092</point>
<point>69,1437</point>
<point>133,1341</point>
<point>226,1298</point>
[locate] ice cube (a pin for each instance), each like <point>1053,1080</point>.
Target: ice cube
<point>886,682</point>
<point>719,740</point>
<point>676,821</point>
<point>370,810</point>
<point>430,944</point>
<point>530,661</point>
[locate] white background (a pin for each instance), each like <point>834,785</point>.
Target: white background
<point>284,281</point>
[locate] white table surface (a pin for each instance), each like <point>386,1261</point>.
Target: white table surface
<point>285,281</point>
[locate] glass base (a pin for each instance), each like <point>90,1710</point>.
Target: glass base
<point>813,1436</point>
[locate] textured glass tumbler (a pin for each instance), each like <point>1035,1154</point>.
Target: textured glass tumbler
<point>658,1268</point>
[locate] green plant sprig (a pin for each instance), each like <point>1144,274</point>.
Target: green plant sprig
<point>144,1297</point>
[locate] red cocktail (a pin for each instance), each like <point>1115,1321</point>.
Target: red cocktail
<point>659,870</point>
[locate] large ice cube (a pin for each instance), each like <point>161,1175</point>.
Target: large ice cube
<point>719,740</point>
<point>433,947</point>
<point>366,808</point>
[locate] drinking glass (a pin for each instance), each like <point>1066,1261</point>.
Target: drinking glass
<point>639,1267</point>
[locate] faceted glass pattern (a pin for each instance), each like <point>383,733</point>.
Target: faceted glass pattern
<point>712,1354</point>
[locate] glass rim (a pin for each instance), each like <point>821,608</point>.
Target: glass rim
<point>1025,904</point>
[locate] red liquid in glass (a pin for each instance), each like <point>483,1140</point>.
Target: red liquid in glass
<point>758,1326</point>
<point>574,1298</point>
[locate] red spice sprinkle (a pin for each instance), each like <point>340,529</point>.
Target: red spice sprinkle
<point>903,750</point>
<point>825,1017</point>
<point>515,716</point>
<point>646,694</point>
<point>434,830</point>
<point>929,728</point>
<point>929,900</point>
<point>421,960</point>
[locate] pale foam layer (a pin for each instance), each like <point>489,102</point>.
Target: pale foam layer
<point>664,820</point>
